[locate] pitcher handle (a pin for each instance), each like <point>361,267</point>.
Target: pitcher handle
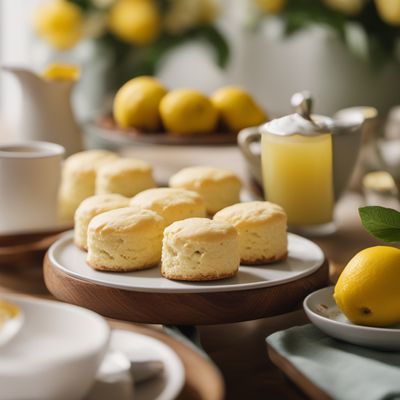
<point>245,138</point>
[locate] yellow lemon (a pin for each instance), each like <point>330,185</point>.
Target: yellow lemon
<point>7,311</point>
<point>209,10</point>
<point>271,6</point>
<point>135,21</point>
<point>237,108</point>
<point>347,7</point>
<point>188,112</point>
<point>380,181</point>
<point>136,103</point>
<point>61,72</point>
<point>368,290</point>
<point>389,10</point>
<point>60,23</point>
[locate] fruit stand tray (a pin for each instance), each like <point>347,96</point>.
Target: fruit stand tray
<point>147,297</point>
<point>22,246</point>
<point>106,128</point>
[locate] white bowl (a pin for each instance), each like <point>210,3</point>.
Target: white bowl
<point>55,355</point>
<point>323,312</point>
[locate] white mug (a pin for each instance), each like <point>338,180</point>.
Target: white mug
<point>30,174</point>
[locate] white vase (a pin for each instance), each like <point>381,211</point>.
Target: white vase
<point>274,67</point>
<point>90,94</point>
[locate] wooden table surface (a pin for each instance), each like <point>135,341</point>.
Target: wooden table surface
<point>239,349</point>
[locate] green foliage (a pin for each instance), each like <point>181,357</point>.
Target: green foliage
<point>381,222</point>
<point>300,14</point>
<point>381,37</point>
<point>129,60</point>
<point>84,4</point>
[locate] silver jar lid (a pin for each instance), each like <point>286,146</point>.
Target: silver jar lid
<point>301,122</point>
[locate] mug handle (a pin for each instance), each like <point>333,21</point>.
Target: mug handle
<point>245,139</point>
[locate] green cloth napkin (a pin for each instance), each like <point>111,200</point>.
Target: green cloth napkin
<point>341,370</point>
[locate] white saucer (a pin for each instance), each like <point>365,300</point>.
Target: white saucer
<point>139,347</point>
<point>304,258</point>
<point>323,312</point>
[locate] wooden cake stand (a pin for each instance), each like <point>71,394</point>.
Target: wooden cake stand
<point>106,128</point>
<point>184,307</point>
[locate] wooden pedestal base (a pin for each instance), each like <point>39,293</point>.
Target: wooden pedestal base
<point>183,308</point>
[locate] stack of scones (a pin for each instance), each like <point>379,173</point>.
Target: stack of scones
<point>195,230</point>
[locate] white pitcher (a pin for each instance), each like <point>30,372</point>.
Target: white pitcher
<point>46,113</point>
<point>306,160</point>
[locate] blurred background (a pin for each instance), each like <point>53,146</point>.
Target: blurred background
<point>345,51</point>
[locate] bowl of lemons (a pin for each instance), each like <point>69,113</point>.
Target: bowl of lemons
<point>364,306</point>
<point>146,112</point>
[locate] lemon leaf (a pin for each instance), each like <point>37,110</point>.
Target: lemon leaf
<point>381,222</point>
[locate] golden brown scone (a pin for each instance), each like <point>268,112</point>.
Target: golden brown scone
<point>200,249</point>
<point>126,239</point>
<point>219,187</point>
<point>126,176</point>
<point>172,204</point>
<point>262,229</point>
<point>78,179</point>
<point>89,208</point>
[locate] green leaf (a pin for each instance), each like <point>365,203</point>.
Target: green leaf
<point>211,35</point>
<point>84,4</point>
<point>381,222</point>
<point>382,37</point>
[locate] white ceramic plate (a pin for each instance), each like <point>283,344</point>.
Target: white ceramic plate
<point>323,312</point>
<point>139,347</point>
<point>56,353</point>
<point>305,257</point>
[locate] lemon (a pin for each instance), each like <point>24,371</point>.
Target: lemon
<point>182,15</point>
<point>237,108</point>
<point>389,10</point>
<point>60,23</point>
<point>380,181</point>
<point>61,72</point>
<point>136,103</point>
<point>347,7</point>
<point>271,6</point>
<point>7,311</point>
<point>188,112</point>
<point>368,290</point>
<point>135,21</point>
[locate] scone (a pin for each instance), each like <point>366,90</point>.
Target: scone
<point>200,249</point>
<point>261,226</point>
<point>89,208</point>
<point>126,239</point>
<point>78,179</point>
<point>125,176</point>
<point>172,204</point>
<point>219,187</point>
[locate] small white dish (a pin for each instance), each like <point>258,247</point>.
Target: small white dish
<point>11,326</point>
<point>323,312</point>
<point>55,355</point>
<point>137,348</point>
<point>304,258</point>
